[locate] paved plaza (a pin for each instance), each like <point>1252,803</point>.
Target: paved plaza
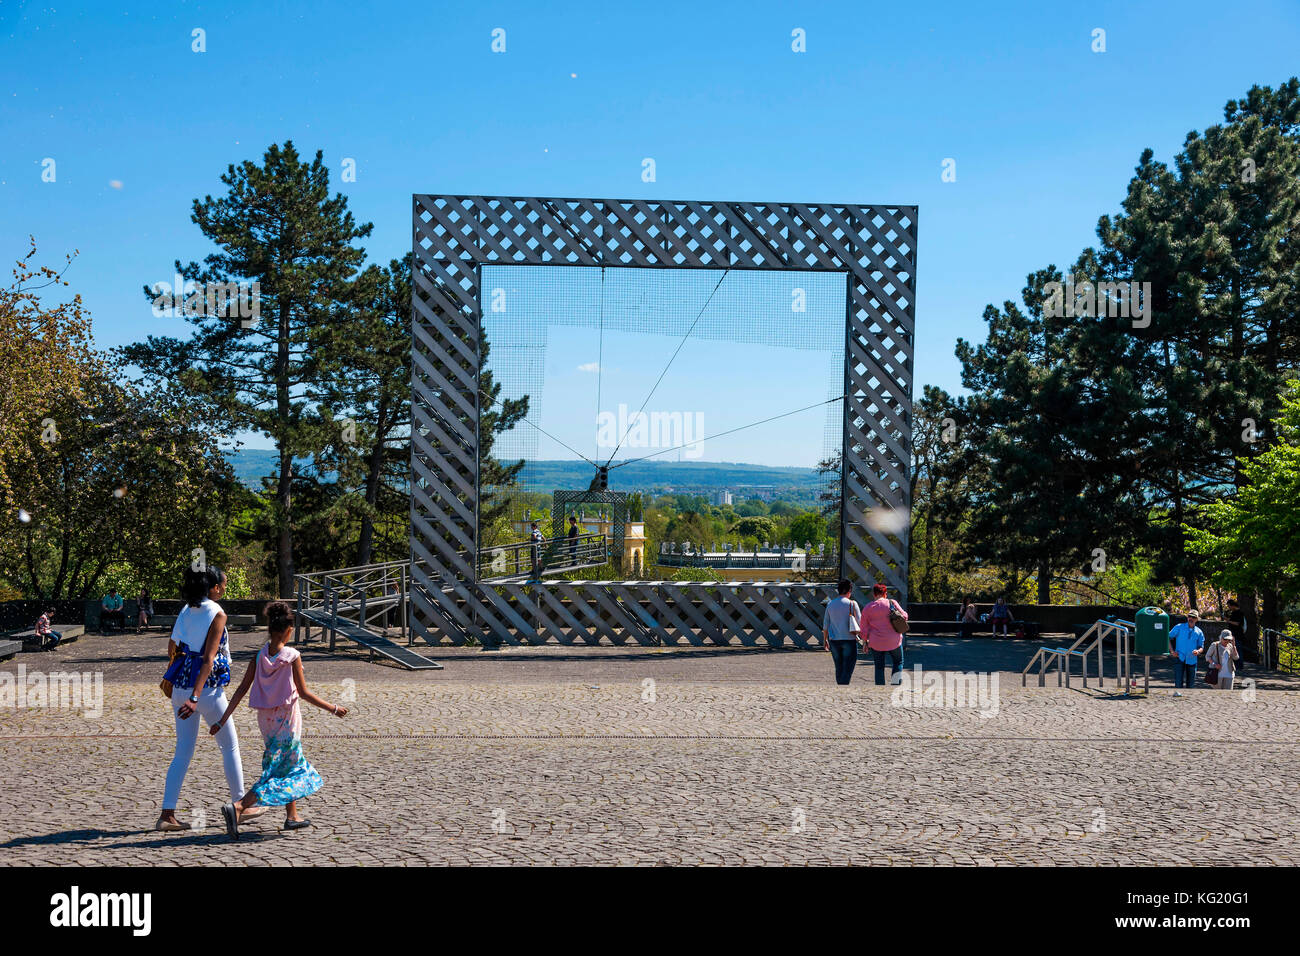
<point>665,756</point>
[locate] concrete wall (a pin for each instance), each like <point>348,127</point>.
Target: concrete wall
<point>21,615</point>
<point>1051,618</point>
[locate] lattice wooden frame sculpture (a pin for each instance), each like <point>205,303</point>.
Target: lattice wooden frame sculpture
<point>454,236</point>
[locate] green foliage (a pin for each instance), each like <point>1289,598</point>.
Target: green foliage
<point>134,479</point>
<point>279,226</point>
<point>808,527</point>
<point>754,529</point>
<point>1250,540</point>
<point>364,394</point>
<point>1134,583</point>
<point>1088,429</point>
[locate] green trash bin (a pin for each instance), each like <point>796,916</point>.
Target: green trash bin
<point>1152,632</point>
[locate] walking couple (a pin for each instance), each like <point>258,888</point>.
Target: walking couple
<point>845,627</point>
<point>196,680</point>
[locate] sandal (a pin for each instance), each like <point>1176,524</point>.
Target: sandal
<point>231,816</point>
<point>170,826</point>
<point>252,813</point>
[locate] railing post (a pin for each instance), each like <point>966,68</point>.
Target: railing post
<point>334,617</point>
<point>1128,666</point>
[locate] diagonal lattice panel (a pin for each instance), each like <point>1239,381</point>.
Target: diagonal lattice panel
<point>874,246</point>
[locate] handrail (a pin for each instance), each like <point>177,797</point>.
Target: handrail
<point>359,567</point>
<point>384,583</point>
<point>1281,636</point>
<point>1046,657</point>
<point>589,548</point>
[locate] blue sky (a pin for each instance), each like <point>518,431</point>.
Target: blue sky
<point>1044,131</point>
<point>581,345</point>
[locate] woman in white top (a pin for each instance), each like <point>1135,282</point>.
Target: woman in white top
<point>1223,655</point>
<point>199,677</point>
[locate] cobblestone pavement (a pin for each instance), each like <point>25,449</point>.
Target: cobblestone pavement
<point>651,756</point>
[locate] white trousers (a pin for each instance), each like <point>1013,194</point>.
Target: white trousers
<point>212,704</point>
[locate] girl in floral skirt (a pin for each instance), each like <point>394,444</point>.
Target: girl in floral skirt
<point>276,679</point>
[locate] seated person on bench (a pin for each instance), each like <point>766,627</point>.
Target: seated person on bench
<point>968,618</point>
<point>111,612</point>
<point>144,607</point>
<point>1001,617</point>
<point>48,639</point>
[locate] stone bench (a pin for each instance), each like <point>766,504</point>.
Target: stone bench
<point>244,622</point>
<point>67,634</point>
<point>9,648</point>
<point>977,627</point>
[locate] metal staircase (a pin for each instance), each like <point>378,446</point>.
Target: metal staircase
<point>369,604</point>
<point>364,605</point>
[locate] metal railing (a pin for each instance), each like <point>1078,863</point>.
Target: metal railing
<point>1060,657</point>
<point>367,595</point>
<point>1288,650</point>
<point>796,560</point>
<point>376,596</point>
<point>555,554</point>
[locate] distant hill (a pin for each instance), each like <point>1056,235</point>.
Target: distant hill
<point>251,464</point>
<point>658,475</point>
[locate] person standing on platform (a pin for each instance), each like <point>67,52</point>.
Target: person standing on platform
<point>573,540</point>
<point>536,551</point>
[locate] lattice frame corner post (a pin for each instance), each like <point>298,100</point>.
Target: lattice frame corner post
<point>874,246</point>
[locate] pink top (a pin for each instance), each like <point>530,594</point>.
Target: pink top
<point>875,626</point>
<point>273,684</point>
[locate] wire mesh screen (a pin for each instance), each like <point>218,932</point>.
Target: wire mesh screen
<point>459,240</point>
<point>715,390</point>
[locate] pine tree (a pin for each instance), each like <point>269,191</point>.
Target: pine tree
<point>364,389</point>
<point>277,226</point>
<point>1214,236</point>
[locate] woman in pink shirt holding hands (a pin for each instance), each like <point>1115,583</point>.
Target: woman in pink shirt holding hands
<point>880,636</point>
<point>276,680</point>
